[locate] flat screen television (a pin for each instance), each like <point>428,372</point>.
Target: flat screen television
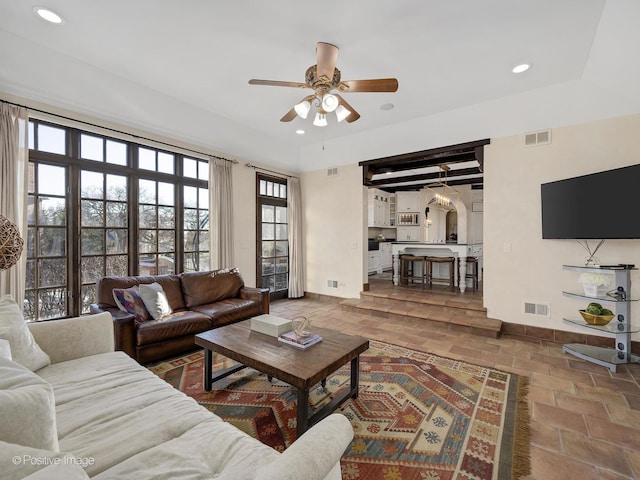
<point>602,205</point>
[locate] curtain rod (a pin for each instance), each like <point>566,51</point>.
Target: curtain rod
<point>249,165</point>
<point>235,162</point>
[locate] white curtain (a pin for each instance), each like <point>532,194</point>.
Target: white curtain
<point>14,159</point>
<point>220,213</point>
<point>296,260</point>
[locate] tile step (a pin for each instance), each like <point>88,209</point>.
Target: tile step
<point>437,299</point>
<point>450,313</point>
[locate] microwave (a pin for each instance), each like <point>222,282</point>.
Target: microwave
<point>408,219</point>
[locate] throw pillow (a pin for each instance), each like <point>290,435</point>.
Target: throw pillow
<point>28,414</point>
<point>13,328</point>
<point>155,300</point>
<point>129,300</point>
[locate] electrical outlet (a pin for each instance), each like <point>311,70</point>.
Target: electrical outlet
<point>507,247</point>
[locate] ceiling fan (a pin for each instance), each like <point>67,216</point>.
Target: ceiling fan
<point>323,78</point>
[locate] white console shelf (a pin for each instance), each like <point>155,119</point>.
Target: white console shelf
<point>620,326</point>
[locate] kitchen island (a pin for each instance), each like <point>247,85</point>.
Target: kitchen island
<point>461,251</point>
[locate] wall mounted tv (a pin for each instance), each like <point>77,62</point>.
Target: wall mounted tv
<point>602,205</point>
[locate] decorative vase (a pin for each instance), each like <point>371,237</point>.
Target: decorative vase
<point>302,326</point>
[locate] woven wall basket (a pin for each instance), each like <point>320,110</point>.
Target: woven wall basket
<point>10,243</point>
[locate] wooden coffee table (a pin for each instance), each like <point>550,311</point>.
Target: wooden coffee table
<point>301,369</point>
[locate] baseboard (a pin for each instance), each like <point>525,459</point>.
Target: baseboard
<point>541,335</point>
<point>322,298</point>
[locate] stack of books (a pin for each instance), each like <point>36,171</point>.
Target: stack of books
<point>291,338</point>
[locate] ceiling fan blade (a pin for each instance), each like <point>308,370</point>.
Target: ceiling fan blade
<point>374,85</point>
<point>327,57</point>
<point>276,83</point>
<point>353,116</point>
<point>290,115</point>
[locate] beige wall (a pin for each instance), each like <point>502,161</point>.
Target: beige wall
<point>532,271</point>
<point>335,231</point>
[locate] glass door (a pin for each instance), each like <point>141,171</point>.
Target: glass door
<point>272,249</point>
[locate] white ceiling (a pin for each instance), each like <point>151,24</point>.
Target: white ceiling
<point>180,69</point>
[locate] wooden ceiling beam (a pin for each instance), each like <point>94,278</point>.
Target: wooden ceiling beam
<point>452,174</point>
<point>442,156</point>
<point>419,186</point>
<point>480,157</point>
<point>422,163</point>
<point>431,153</point>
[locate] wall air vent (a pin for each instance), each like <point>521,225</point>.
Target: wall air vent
<point>543,137</point>
<point>332,283</point>
<point>332,172</point>
<point>538,309</point>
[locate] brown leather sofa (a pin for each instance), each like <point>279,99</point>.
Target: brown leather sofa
<point>200,301</point>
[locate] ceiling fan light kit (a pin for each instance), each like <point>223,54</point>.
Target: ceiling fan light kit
<point>320,120</point>
<point>342,113</point>
<point>302,108</point>
<point>323,78</point>
<point>329,102</point>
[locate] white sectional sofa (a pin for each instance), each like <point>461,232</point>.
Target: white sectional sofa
<point>96,413</point>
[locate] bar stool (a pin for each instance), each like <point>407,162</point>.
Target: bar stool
<point>472,272</point>
<point>451,261</point>
<point>408,269</point>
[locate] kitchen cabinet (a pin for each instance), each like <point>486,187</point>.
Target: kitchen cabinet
<point>407,202</point>
<point>392,210</point>
<point>384,256</point>
<point>378,208</point>
<point>408,234</point>
<point>475,228</point>
<point>373,261</point>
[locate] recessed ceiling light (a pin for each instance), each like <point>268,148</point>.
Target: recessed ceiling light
<point>523,67</point>
<point>48,15</point>
<point>300,132</point>
<point>387,106</point>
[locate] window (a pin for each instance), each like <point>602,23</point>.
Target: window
<point>156,229</point>
<point>102,206</point>
<point>273,246</point>
<point>196,229</point>
<point>102,150</point>
<point>46,248</point>
<point>103,230</point>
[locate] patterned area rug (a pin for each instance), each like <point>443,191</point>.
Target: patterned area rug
<point>418,416</point>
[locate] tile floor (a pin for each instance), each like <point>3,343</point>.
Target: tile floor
<point>585,421</point>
